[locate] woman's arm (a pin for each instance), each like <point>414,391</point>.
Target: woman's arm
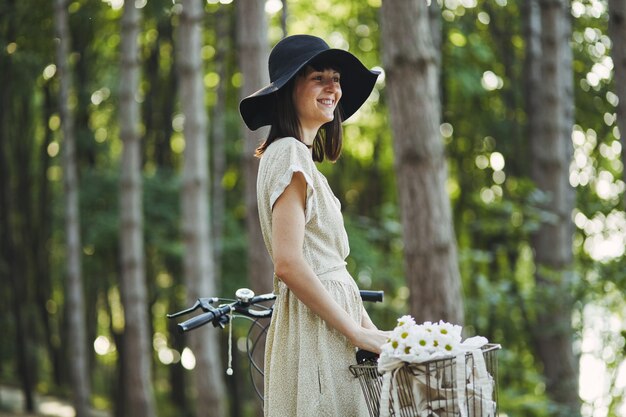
<point>288,223</point>
<point>366,321</point>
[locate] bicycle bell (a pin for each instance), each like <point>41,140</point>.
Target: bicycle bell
<point>244,295</point>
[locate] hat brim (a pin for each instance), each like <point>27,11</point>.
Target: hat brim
<point>357,82</point>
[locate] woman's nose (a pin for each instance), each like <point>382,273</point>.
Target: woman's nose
<point>331,85</point>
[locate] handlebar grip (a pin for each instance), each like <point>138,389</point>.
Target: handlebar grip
<point>202,319</point>
<point>195,322</point>
<point>373,296</point>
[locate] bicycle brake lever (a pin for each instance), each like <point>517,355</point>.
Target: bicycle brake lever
<point>203,303</point>
<point>185,311</point>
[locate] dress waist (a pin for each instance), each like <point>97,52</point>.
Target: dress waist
<point>337,273</point>
<point>334,273</point>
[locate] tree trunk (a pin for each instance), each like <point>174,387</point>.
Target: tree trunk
<point>12,274</point>
<point>434,22</point>
<point>137,375</point>
<point>531,16</point>
<point>218,137</point>
<point>412,77</point>
<point>75,304</point>
<point>551,154</point>
<point>617,33</point>
<point>44,287</point>
<point>158,105</point>
<point>198,259</point>
<point>284,15</point>
<point>252,46</point>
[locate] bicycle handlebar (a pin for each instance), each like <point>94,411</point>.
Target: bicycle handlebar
<point>372,296</point>
<point>204,318</point>
<point>219,316</point>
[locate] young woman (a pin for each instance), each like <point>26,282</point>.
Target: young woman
<point>318,318</point>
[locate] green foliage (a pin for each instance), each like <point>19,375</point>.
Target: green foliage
<point>496,207</point>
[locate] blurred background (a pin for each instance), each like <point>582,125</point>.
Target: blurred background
<point>486,167</point>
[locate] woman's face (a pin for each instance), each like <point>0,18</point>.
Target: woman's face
<point>315,96</point>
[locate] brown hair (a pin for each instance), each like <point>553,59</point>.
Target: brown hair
<point>329,139</point>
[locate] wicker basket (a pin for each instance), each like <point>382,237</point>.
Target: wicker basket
<point>434,383</point>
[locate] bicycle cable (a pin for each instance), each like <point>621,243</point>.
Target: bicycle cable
<point>229,371</point>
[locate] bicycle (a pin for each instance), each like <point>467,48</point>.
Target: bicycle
<point>249,306</point>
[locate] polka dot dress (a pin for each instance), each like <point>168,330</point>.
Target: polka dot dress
<point>306,361</point>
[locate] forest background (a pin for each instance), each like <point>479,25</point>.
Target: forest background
<point>484,110</point>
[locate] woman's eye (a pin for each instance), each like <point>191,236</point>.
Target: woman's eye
<point>335,79</point>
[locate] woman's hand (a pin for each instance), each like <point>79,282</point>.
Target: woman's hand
<point>370,339</point>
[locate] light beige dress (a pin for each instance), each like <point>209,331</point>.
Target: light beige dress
<point>306,361</point>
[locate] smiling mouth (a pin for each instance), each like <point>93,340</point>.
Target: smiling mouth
<point>327,102</point>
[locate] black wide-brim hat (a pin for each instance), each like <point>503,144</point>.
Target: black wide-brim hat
<point>292,54</point>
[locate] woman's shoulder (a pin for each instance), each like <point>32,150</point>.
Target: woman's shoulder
<point>288,150</point>
<point>288,142</point>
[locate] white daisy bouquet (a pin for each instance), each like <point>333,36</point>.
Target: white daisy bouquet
<point>416,343</point>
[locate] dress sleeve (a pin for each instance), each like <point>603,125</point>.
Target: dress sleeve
<point>291,158</point>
